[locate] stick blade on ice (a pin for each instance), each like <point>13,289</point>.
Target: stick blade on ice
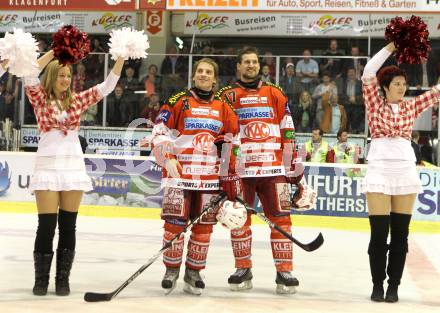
<point>97,297</point>
<point>315,244</point>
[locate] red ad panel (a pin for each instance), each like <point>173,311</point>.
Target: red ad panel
<point>69,5</point>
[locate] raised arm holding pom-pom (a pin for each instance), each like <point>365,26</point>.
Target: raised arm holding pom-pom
<point>391,182</point>
<point>60,177</point>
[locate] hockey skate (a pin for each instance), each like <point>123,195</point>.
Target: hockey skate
<point>241,279</point>
<point>286,283</point>
<point>193,282</point>
<point>170,279</point>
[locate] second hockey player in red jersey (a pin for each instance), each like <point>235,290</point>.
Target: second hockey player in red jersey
<point>267,151</point>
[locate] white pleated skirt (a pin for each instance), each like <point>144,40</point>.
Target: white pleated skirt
<point>60,173</point>
<point>391,177</point>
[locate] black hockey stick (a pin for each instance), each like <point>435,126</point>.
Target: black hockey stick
<point>312,246</point>
<point>97,297</point>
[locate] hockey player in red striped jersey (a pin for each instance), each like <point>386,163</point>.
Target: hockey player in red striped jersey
<point>267,149</point>
<point>190,130</point>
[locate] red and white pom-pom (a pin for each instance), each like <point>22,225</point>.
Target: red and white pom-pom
<point>232,215</point>
<point>128,43</point>
<point>21,49</point>
<point>410,38</point>
<point>70,45</point>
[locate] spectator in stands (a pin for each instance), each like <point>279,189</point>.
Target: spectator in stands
<point>119,108</point>
<point>420,75</point>
<point>84,144</point>
<point>135,64</point>
<point>332,65</point>
<point>174,64</point>
<point>343,151</point>
<point>131,85</point>
<point>95,65</point>
<point>228,67</point>
<point>302,113</point>
<point>173,70</point>
<point>8,109</point>
<point>326,86</point>
<point>308,70</point>
<point>96,46</point>
<point>435,116</point>
<point>207,50</point>
<point>79,79</point>
<point>291,85</point>
<point>284,63</point>
<point>153,81</point>
<point>151,111</point>
<point>415,136</point>
<point>42,45</point>
<point>11,93</point>
<point>426,150</point>
<point>3,108</point>
<point>437,72</point>
<point>265,74</point>
<point>269,60</point>
<point>317,148</point>
<point>334,117</point>
<point>350,95</point>
<point>354,63</point>
<point>88,118</point>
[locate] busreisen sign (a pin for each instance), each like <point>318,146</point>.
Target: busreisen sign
<point>50,21</point>
<point>294,24</point>
<point>391,6</point>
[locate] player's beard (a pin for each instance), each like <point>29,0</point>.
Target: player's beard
<point>250,77</point>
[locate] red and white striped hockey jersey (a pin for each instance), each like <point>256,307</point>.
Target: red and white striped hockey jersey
<point>266,126</point>
<point>198,124</point>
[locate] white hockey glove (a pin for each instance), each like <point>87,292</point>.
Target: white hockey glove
<point>232,215</point>
<point>304,198</point>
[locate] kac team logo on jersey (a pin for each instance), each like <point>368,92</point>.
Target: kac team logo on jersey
<point>5,178</point>
<point>257,130</point>
<point>203,142</point>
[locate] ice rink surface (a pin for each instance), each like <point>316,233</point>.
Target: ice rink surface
<point>334,278</point>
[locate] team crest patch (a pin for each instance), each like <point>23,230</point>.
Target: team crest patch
<point>163,116</point>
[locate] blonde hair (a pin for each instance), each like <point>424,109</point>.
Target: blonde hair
<point>49,79</point>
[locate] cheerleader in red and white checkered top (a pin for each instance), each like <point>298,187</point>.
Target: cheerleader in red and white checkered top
<point>391,182</point>
<point>60,176</point>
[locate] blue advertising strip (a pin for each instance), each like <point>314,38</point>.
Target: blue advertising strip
<point>427,207</point>
<point>339,193</point>
<point>136,181</point>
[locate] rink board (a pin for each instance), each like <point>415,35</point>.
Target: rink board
<point>130,187</point>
